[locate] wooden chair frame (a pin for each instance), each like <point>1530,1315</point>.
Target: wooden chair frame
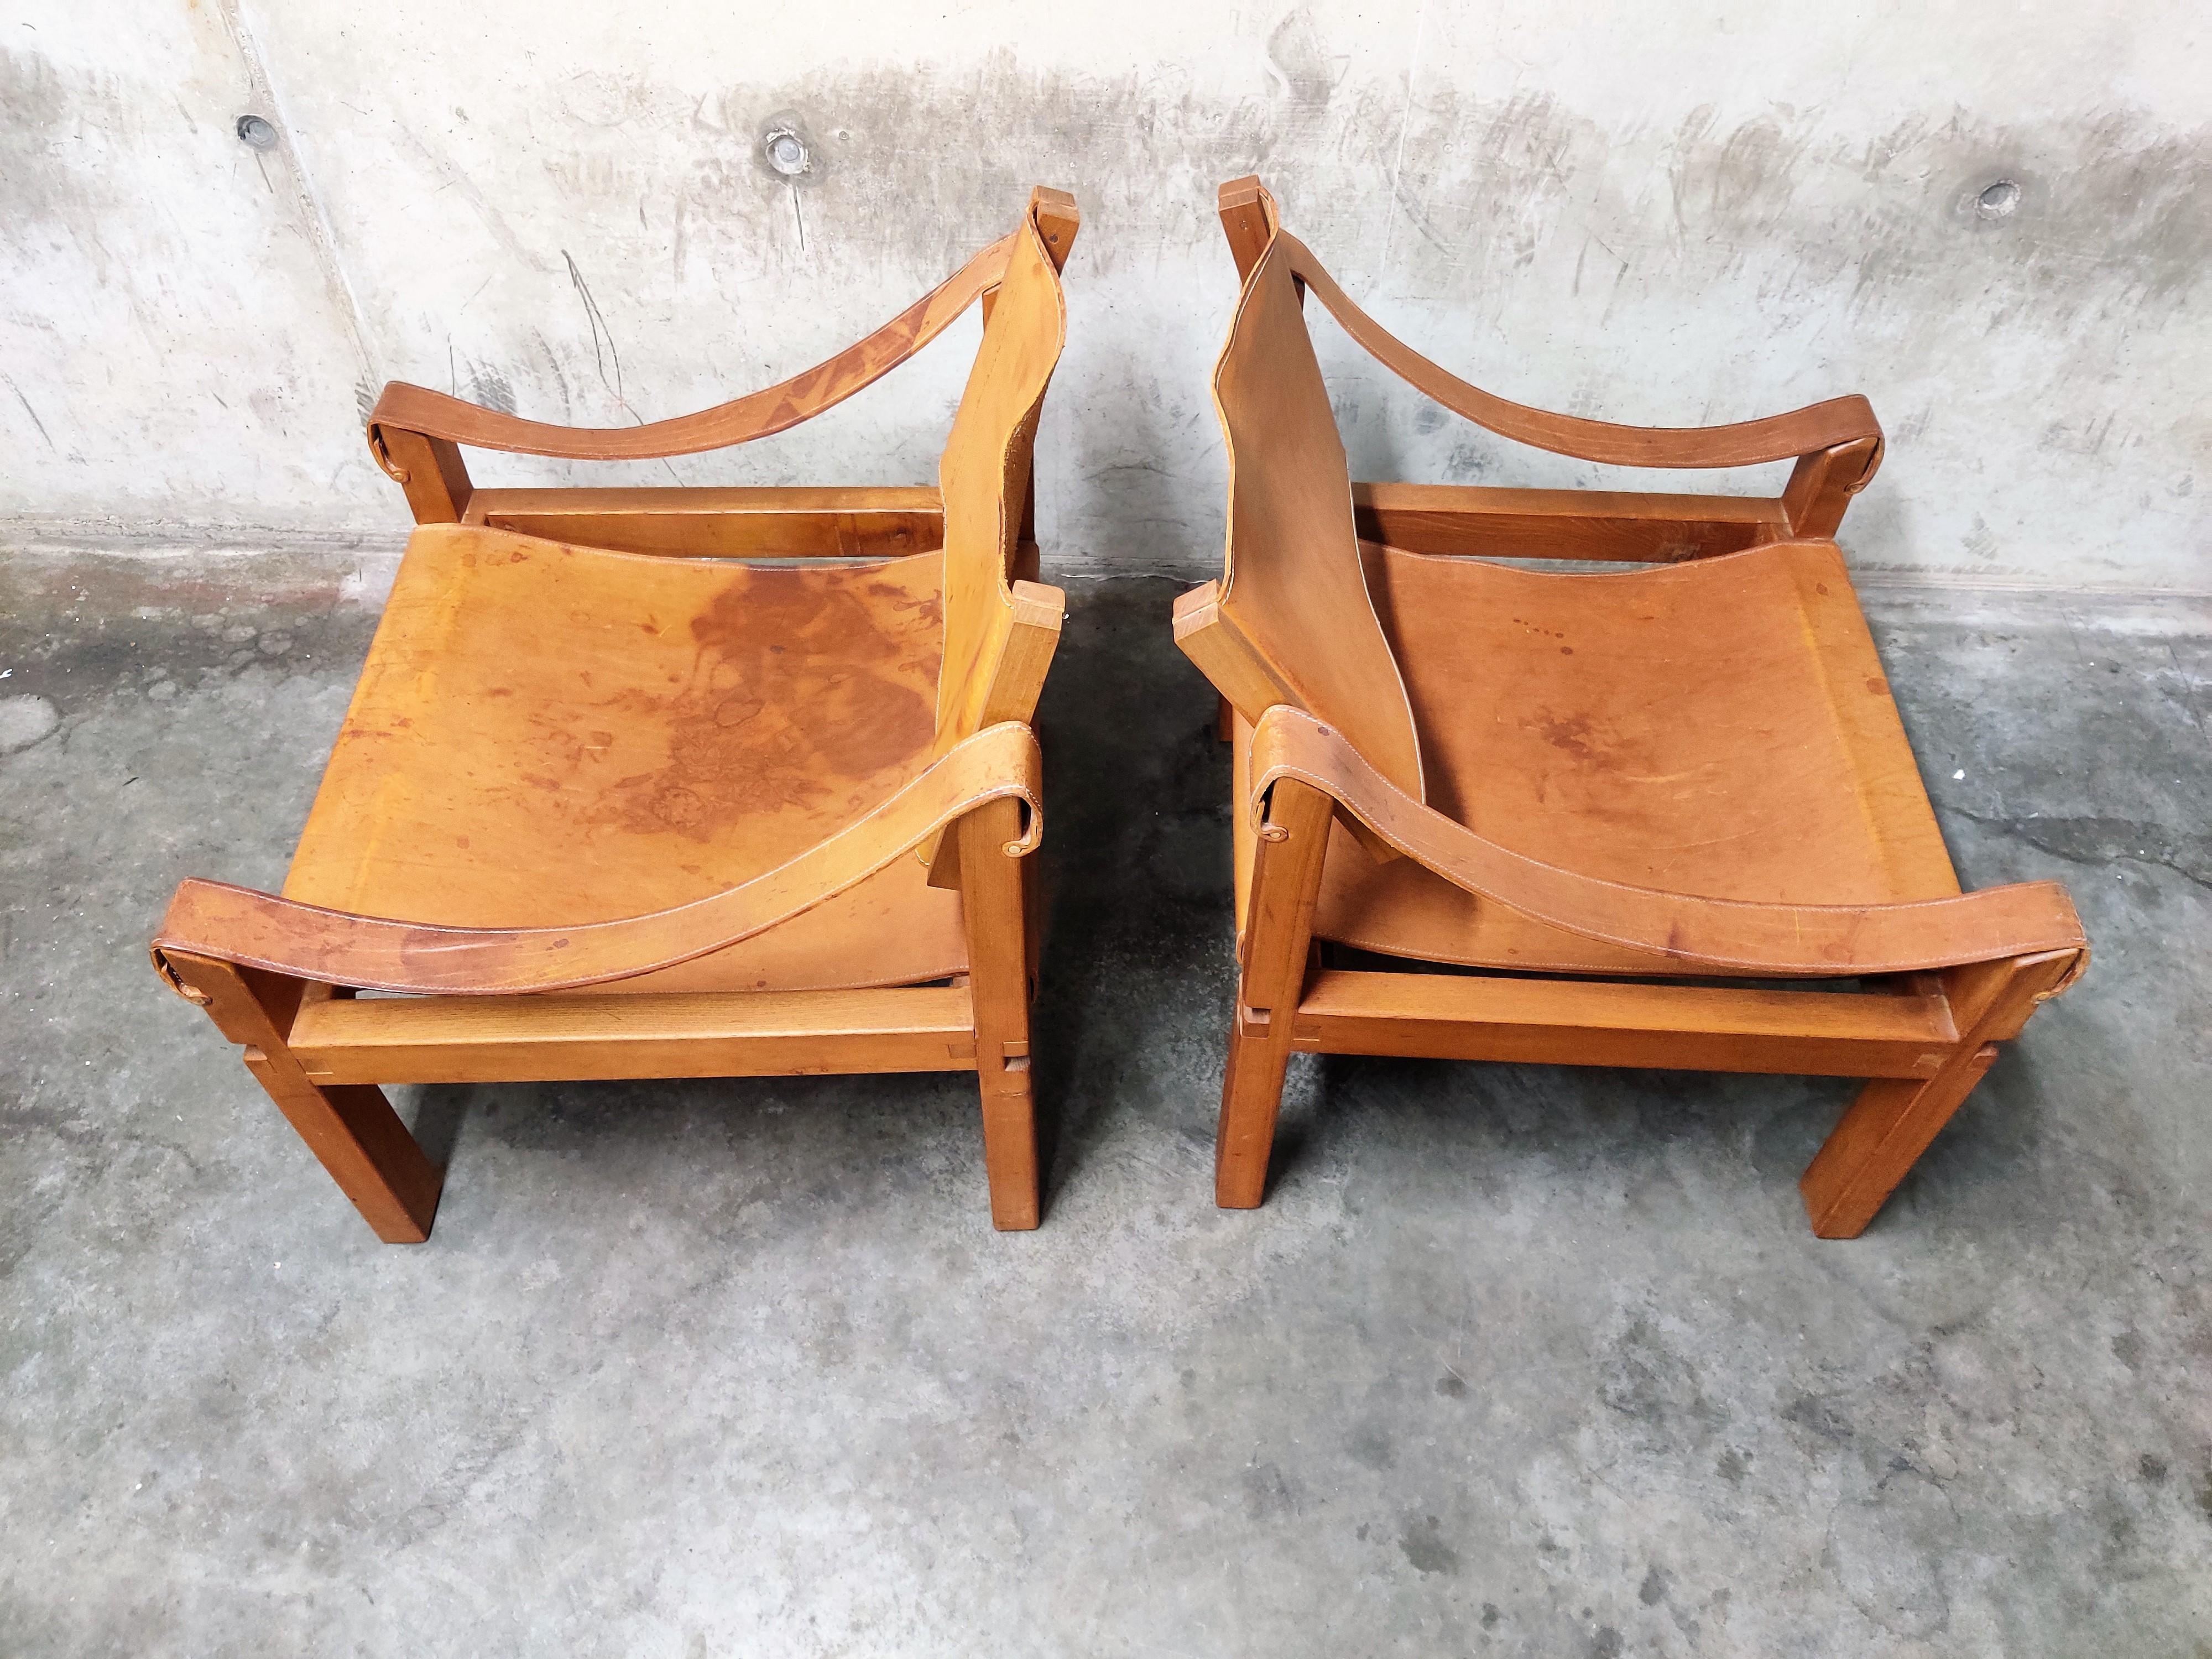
<point>501,1005</point>
<point>1950,978</point>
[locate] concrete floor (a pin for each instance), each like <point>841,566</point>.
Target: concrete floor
<point>1515,1361</point>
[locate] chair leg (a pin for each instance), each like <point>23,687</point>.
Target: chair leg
<point>1894,1120</point>
<point>351,1127</point>
<point>991,899</point>
<point>1278,935</point>
<point>1251,1097</point>
<point>1881,1136</point>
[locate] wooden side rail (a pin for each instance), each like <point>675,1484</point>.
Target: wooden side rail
<point>415,434</point>
<point>1478,521</point>
<point>1836,444</point>
<point>369,1040</point>
<point>1822,941</point>
<point>261,931</point>
<point>746,523</point>
<point>1593,1022</point>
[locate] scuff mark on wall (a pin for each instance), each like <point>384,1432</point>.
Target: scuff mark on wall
<point>30,411</point>
<point>493,220</point>
<point>611,357</point>
<point>1300,61</point>
<point>488,386</point>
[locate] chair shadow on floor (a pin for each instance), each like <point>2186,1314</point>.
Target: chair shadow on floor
<point>1137,864</point>
<point>1463,1128</point>
<point>438,1109</point>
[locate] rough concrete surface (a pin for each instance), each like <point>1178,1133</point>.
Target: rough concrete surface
<point>1515,1361</point>
<point>1994,221</point>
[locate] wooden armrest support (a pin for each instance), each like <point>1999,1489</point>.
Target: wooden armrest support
<point>1031,622</point>
<point>259,930</point>
<point>1840,423</point>
<point>406,409</point>
<point>1780,940</point>
<point>1240,671</point>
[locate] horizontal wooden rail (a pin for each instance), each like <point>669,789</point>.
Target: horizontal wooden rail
<point>1593,1022</point>
<point>726,523</point>
<point>1478,521</point>
<point>550,1038</point>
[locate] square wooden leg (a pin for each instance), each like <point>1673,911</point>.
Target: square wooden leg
<point>1894,1120</point>
<point>1251,1098</point>
<point>991,898</point>
<point>1278,939</point>
<point>350,1127</point>
<point>1009,1154</point>
<point>1879,1138</point>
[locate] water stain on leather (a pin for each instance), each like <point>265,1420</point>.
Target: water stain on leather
<point>1573,734</point>
<point>811,690</point>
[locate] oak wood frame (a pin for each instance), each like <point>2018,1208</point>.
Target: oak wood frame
<point>280,978</point>
<point>1943,981</point>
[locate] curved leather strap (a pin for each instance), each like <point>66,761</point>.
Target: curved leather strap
<point>333,947</point>
<point>758,415</point>
<point>1778,438</point>
<point>1825,940</point>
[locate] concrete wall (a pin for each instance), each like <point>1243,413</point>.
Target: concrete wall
<point>1657,214</point>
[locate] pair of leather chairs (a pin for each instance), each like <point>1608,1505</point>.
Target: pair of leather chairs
<point>616,798</point>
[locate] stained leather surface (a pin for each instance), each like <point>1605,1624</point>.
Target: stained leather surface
<point>1720,728</point>
<point>546,735</point>
<point>1683,932</point>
